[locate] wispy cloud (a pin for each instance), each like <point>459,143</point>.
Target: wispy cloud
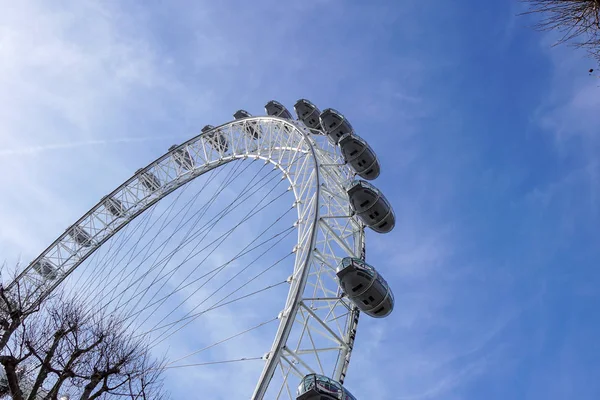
<point>494,248</point>
<point>74,145</point>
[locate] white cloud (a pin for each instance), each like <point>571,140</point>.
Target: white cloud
<point>569,114</point>
<point>69,77</point>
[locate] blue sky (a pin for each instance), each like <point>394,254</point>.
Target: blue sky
<point>489,142</point>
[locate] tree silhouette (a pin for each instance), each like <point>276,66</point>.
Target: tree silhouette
<point>59,348</point>
<point>577,21</point>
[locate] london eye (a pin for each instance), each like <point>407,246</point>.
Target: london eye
<point>241,250</point>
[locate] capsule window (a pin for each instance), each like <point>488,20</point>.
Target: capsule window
<point>353,152</point>
<point>357,287</point>
<point>366,303</point>
<point>374,215</point>
<point>383,224</point>
<point>379,310</point>
<point>365,203</point>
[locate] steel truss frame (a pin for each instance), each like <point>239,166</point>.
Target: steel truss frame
<point>317,325</point>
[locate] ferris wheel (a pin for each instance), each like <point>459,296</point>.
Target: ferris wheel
<point>251,234</point>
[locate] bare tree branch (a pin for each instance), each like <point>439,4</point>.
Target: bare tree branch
<point>60,347</point>
<point>578,21</point>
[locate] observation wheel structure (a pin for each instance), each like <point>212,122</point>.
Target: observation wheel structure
<point>327,281</point>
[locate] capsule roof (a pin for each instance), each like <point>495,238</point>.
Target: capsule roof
<point>304,108</point>
<point>335,124</point>
<point>308,113</point>
<point>276,109</point>
<point>359,263</point>
<point>359,183</point>
<point>360,156</point>
<point>335,116</point>
<point>321,387</point>
<point>239,114</point>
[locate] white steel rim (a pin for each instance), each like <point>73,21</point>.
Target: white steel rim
<point>317,320</point>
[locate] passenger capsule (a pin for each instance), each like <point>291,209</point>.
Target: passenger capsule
<point>239,114</point>
<point>216,139</point>
<point>308,113</point>
<point>319,387</point>
<point>148,179</point>
<point>182,157</point>
<point>80,236</point>
<point>45,269</point>
<point>114,206</point>
<point>371,206</point>
<point>335,124</point>
<point>360,156</point>
<point>276,109</point>
<point>365,287</point>
<point>250,129</point>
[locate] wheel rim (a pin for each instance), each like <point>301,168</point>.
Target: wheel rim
<point>316,326</point>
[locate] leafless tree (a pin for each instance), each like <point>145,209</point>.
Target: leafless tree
<point>578,21</point>
<point>60,348</point>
